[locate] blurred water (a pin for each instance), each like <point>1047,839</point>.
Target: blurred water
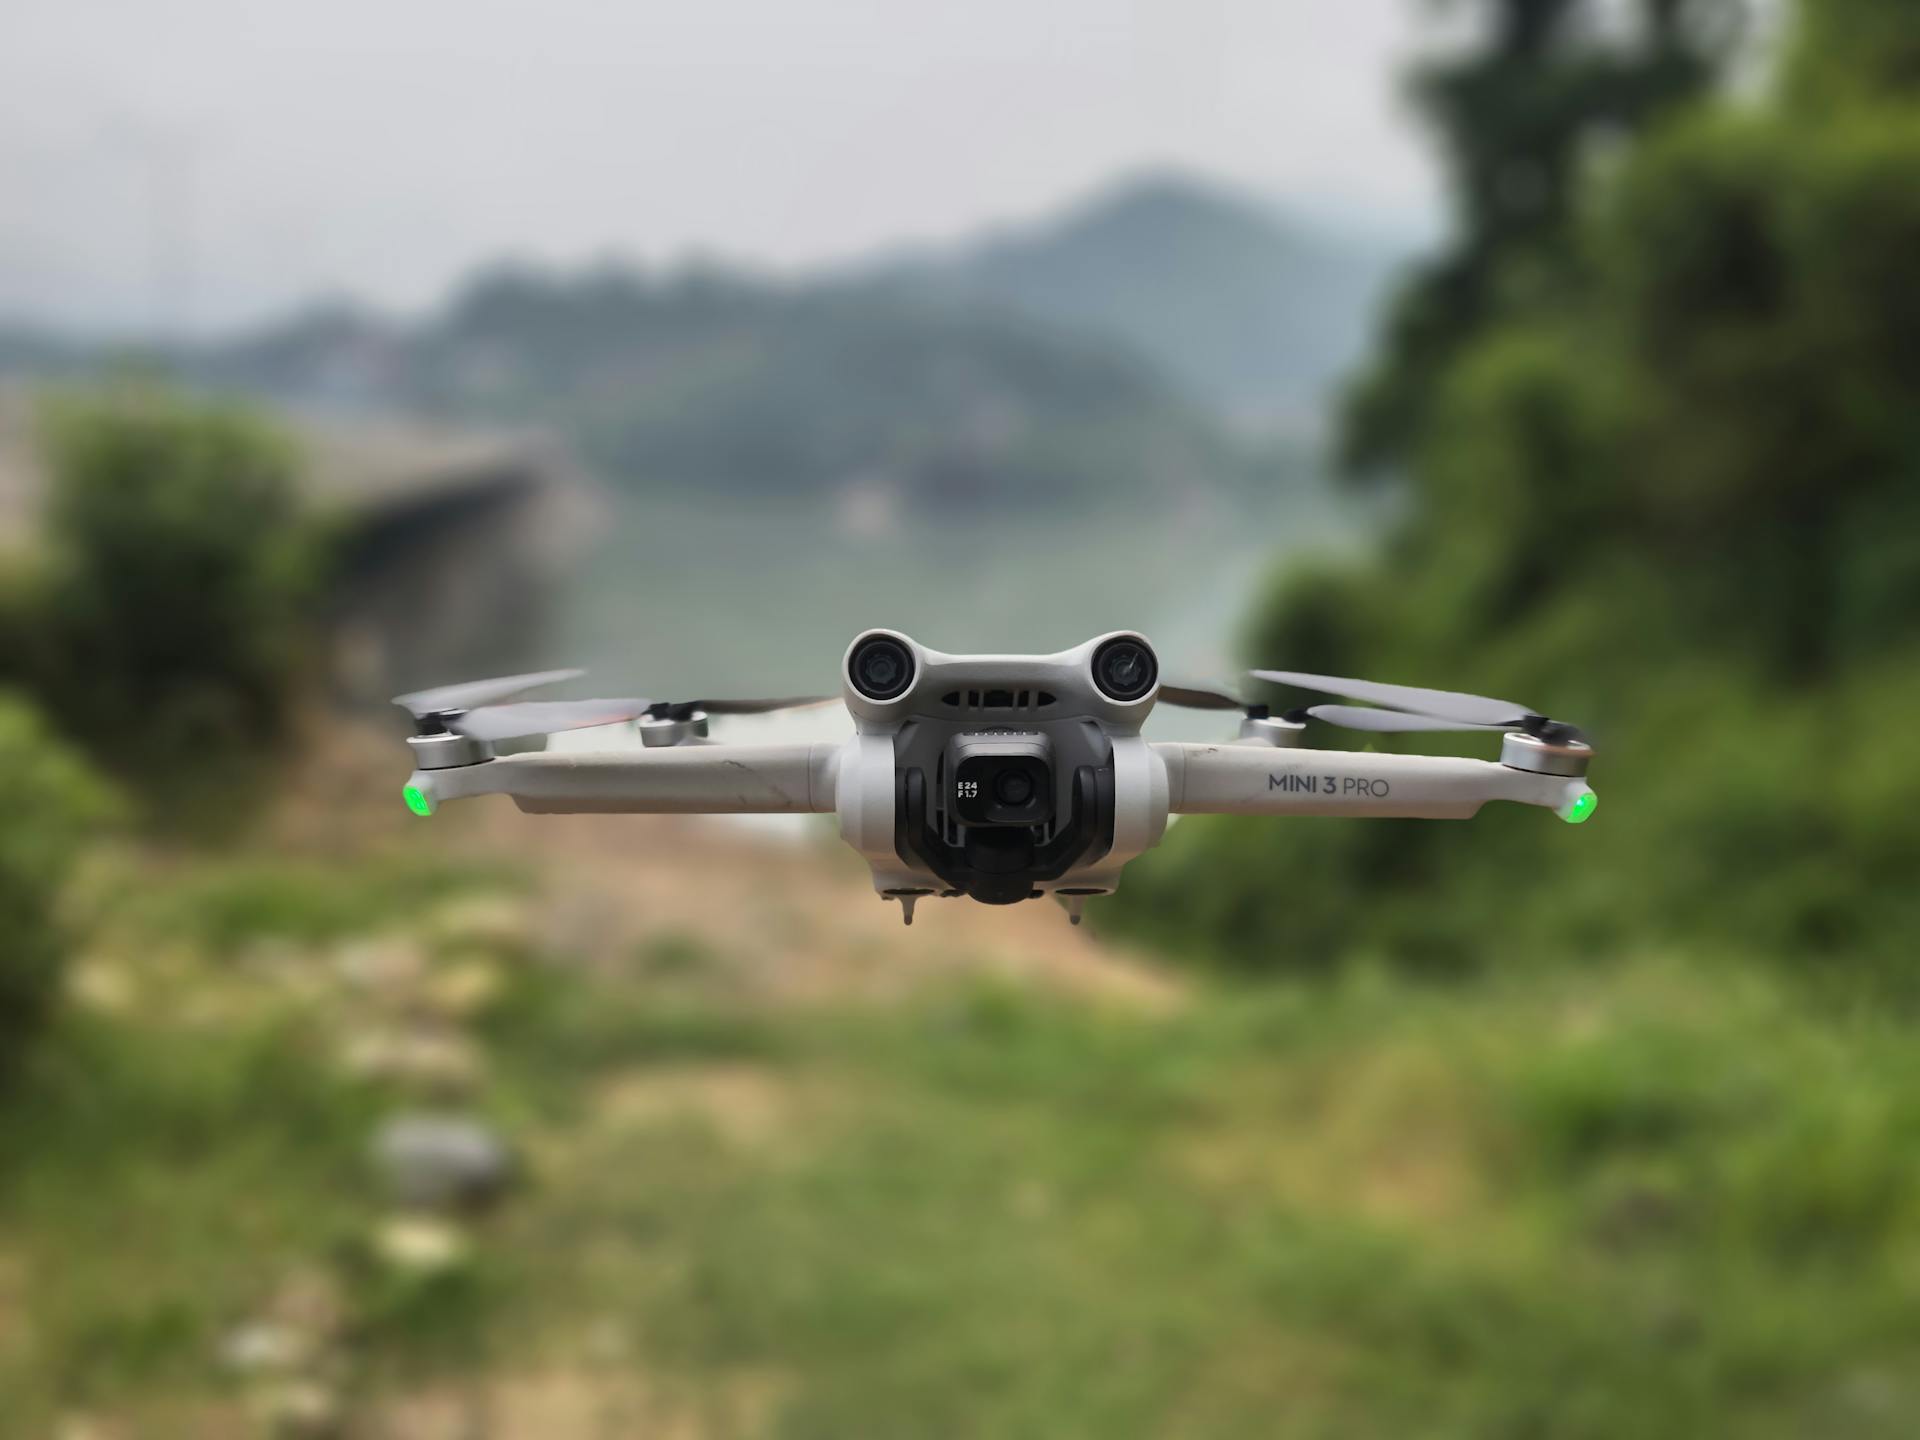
<point>676,597</point>
<point>679,596</point>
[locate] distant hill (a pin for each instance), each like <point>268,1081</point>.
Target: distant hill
<point>1092,357</point>
<point>1256,314</point>
<point>27,350</point>
<point>724,381</point>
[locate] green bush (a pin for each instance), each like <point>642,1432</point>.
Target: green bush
<point>48,802</point>
<point>1678,501</point>
<point>180,579</point>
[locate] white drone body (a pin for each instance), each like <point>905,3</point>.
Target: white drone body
<point>998,777</point>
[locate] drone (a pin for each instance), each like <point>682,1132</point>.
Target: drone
<point>1000,778</point>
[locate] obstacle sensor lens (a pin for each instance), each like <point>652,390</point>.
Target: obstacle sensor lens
<point>882,668</point>
<point>1125,669</point>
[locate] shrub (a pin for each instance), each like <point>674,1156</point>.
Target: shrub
<point>180,580</point>
<point>1676,502</point>
<point>49,799</point>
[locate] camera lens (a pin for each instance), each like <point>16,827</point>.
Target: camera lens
<point>1013,787</point>
<point>1125,669</point>
<point>999,779</point>
<point>881,668</point>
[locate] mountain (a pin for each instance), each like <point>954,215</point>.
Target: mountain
<point>735,384</point>
<point>1091,357</point>
<point>1254,313</point>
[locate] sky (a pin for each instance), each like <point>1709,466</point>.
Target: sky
<point>189,166</point>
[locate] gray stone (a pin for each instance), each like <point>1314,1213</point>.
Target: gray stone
<point>442,1162</point>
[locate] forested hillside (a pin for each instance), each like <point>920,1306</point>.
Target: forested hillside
<point>724,382</point>
<point>1101,356</point>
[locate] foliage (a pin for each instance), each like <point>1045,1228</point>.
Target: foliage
<point>174,608</point>
<point>1644,1200</point>
<point>1852,51</point>
<point>197,1083</point>
<point>1520,122</point>
<point>1648,1200</point>
<point>49,803</point>
<point>722,382</point>
<point>237,1152</point>
<point>1677,499</point>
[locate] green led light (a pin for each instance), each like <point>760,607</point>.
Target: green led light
<point>417,800</point>
<point>1583,809</point>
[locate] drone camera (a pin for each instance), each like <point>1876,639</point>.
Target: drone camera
<point>1000,778</point>
<point>1125,669</point>
<point>881,667</point>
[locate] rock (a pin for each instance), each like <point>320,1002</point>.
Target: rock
<point>420,1245</point>
<point>301,1410</point>
<point>434,1062</point>
<point>438,1162</point>
<point>309,1300</point>
<point>463,990</point>
<point>584,926</point>
<point>492,924</point>
<point>387,967</point>
<point>101,985</point>
<point>286,967</point>
<point>261,1347</point>
<point>295,1333</point>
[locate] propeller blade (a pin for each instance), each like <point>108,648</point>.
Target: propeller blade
<point>543,717</point>
<point>1200,697</point>
<point>1471,710</point>
<point>420,703</point>
<point>751,707</point>
<point>1354,717</point>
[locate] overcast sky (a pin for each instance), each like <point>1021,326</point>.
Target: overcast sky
<point>198,163</point>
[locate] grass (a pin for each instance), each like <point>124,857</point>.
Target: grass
<point>151,1189</point>
<point>1661,1197</point>
<point>1638,1203</point>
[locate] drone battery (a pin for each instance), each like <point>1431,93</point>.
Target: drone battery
<point>1000,778</point>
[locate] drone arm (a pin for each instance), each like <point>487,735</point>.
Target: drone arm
<point>1260,780</point>
<point>677,780</point>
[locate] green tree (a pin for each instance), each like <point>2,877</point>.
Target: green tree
<point>1675,495</point>
<point>49,801</point>
<point>180,578</point>
<point>1519,121</point>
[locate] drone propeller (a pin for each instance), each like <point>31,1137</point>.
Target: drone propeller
<point>1412,709</point>
<point>1390,722</point>
<point>1477,711</point>
<point>447,699</point>
<point>473,709</point>
<point>549,717</point>
<point>680,709</point>
<point>543,717</point>
<point>1202,697</point>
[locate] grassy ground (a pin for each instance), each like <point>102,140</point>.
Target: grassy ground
<point>1656,1198</point>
